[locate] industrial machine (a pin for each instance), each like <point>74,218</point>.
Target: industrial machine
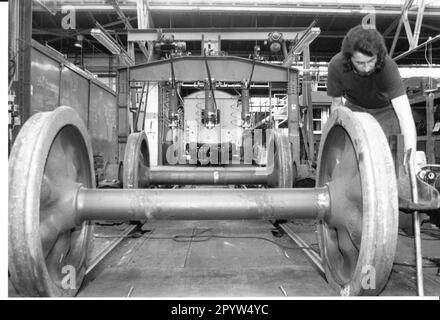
<point>53,194</point>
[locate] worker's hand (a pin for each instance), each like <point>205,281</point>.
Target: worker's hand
<point>419,161</point>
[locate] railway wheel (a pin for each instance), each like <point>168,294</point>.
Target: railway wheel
<point>280,166</point>
<point>136,161</point>
<point>50,160</point>
<point>358,239</point>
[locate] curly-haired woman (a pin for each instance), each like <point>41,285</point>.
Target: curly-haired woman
<point>369,80</point>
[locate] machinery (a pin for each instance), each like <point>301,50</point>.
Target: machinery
<point>53,194</point>
<point>53,200</point>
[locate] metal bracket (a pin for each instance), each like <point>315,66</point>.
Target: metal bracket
<point>414,193</point>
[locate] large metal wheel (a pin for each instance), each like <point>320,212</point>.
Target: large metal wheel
<point>280,166</point>
<point>136,161</point>
<point>51,158</point>
<point>358,239</point>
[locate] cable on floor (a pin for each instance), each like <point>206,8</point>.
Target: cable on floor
<point>200,237</point>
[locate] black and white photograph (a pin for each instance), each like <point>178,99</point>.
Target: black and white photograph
<point>221,155</point>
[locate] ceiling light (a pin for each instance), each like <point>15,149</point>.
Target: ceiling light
<point>106,41</point>
<point>79,41</point>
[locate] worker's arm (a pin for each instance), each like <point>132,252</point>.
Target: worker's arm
<point>403,111</point>
<point>336,102</point>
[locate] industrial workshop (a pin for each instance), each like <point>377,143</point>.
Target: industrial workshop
<point>223,149</point>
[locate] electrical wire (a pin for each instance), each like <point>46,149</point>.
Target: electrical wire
<point>200,237</point>
<point>429,64</point>
<point>426,58</point>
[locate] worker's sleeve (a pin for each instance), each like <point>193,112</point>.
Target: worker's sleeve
<point>392,80</point>
<point>334,87</point>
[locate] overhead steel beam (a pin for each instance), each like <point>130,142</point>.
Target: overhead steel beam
<point>391,26</point>
<point>232,7</point>
<point>144,22</point>
<point>437,37</point>
<point>212,34</point>
<point>413,37</point>
<point>267,9</point>
<point>322,35</point>
<point>46,8</point>
<point>128,26</point>
<point>428,26</point>
<point>192,69</point>
<point>399,27</point>
<point>143,8</point>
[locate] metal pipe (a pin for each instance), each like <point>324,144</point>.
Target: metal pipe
<point>418,25</point>
<point>201,204</point>
<point>416,219</point>
<point>314,257</point>
<point>418,248</point>
<point>206,177</point>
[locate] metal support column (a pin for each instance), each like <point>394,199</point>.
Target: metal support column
<point>430,143</point>
<point>307,100</point>
<point>293,114</point>
<point>122,89</point>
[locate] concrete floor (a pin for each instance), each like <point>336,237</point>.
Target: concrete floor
<point>157,266</point>
<point>154,265</point>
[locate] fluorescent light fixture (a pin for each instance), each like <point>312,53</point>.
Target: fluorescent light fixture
<point>79,41</point>
<point>106,41</point>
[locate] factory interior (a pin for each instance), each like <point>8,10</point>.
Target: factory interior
<point>196,149</point>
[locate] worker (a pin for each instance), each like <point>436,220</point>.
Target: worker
<point>369,81</point>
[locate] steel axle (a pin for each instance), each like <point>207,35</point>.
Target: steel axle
<point>203,176</point>
<point>201,204</point>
